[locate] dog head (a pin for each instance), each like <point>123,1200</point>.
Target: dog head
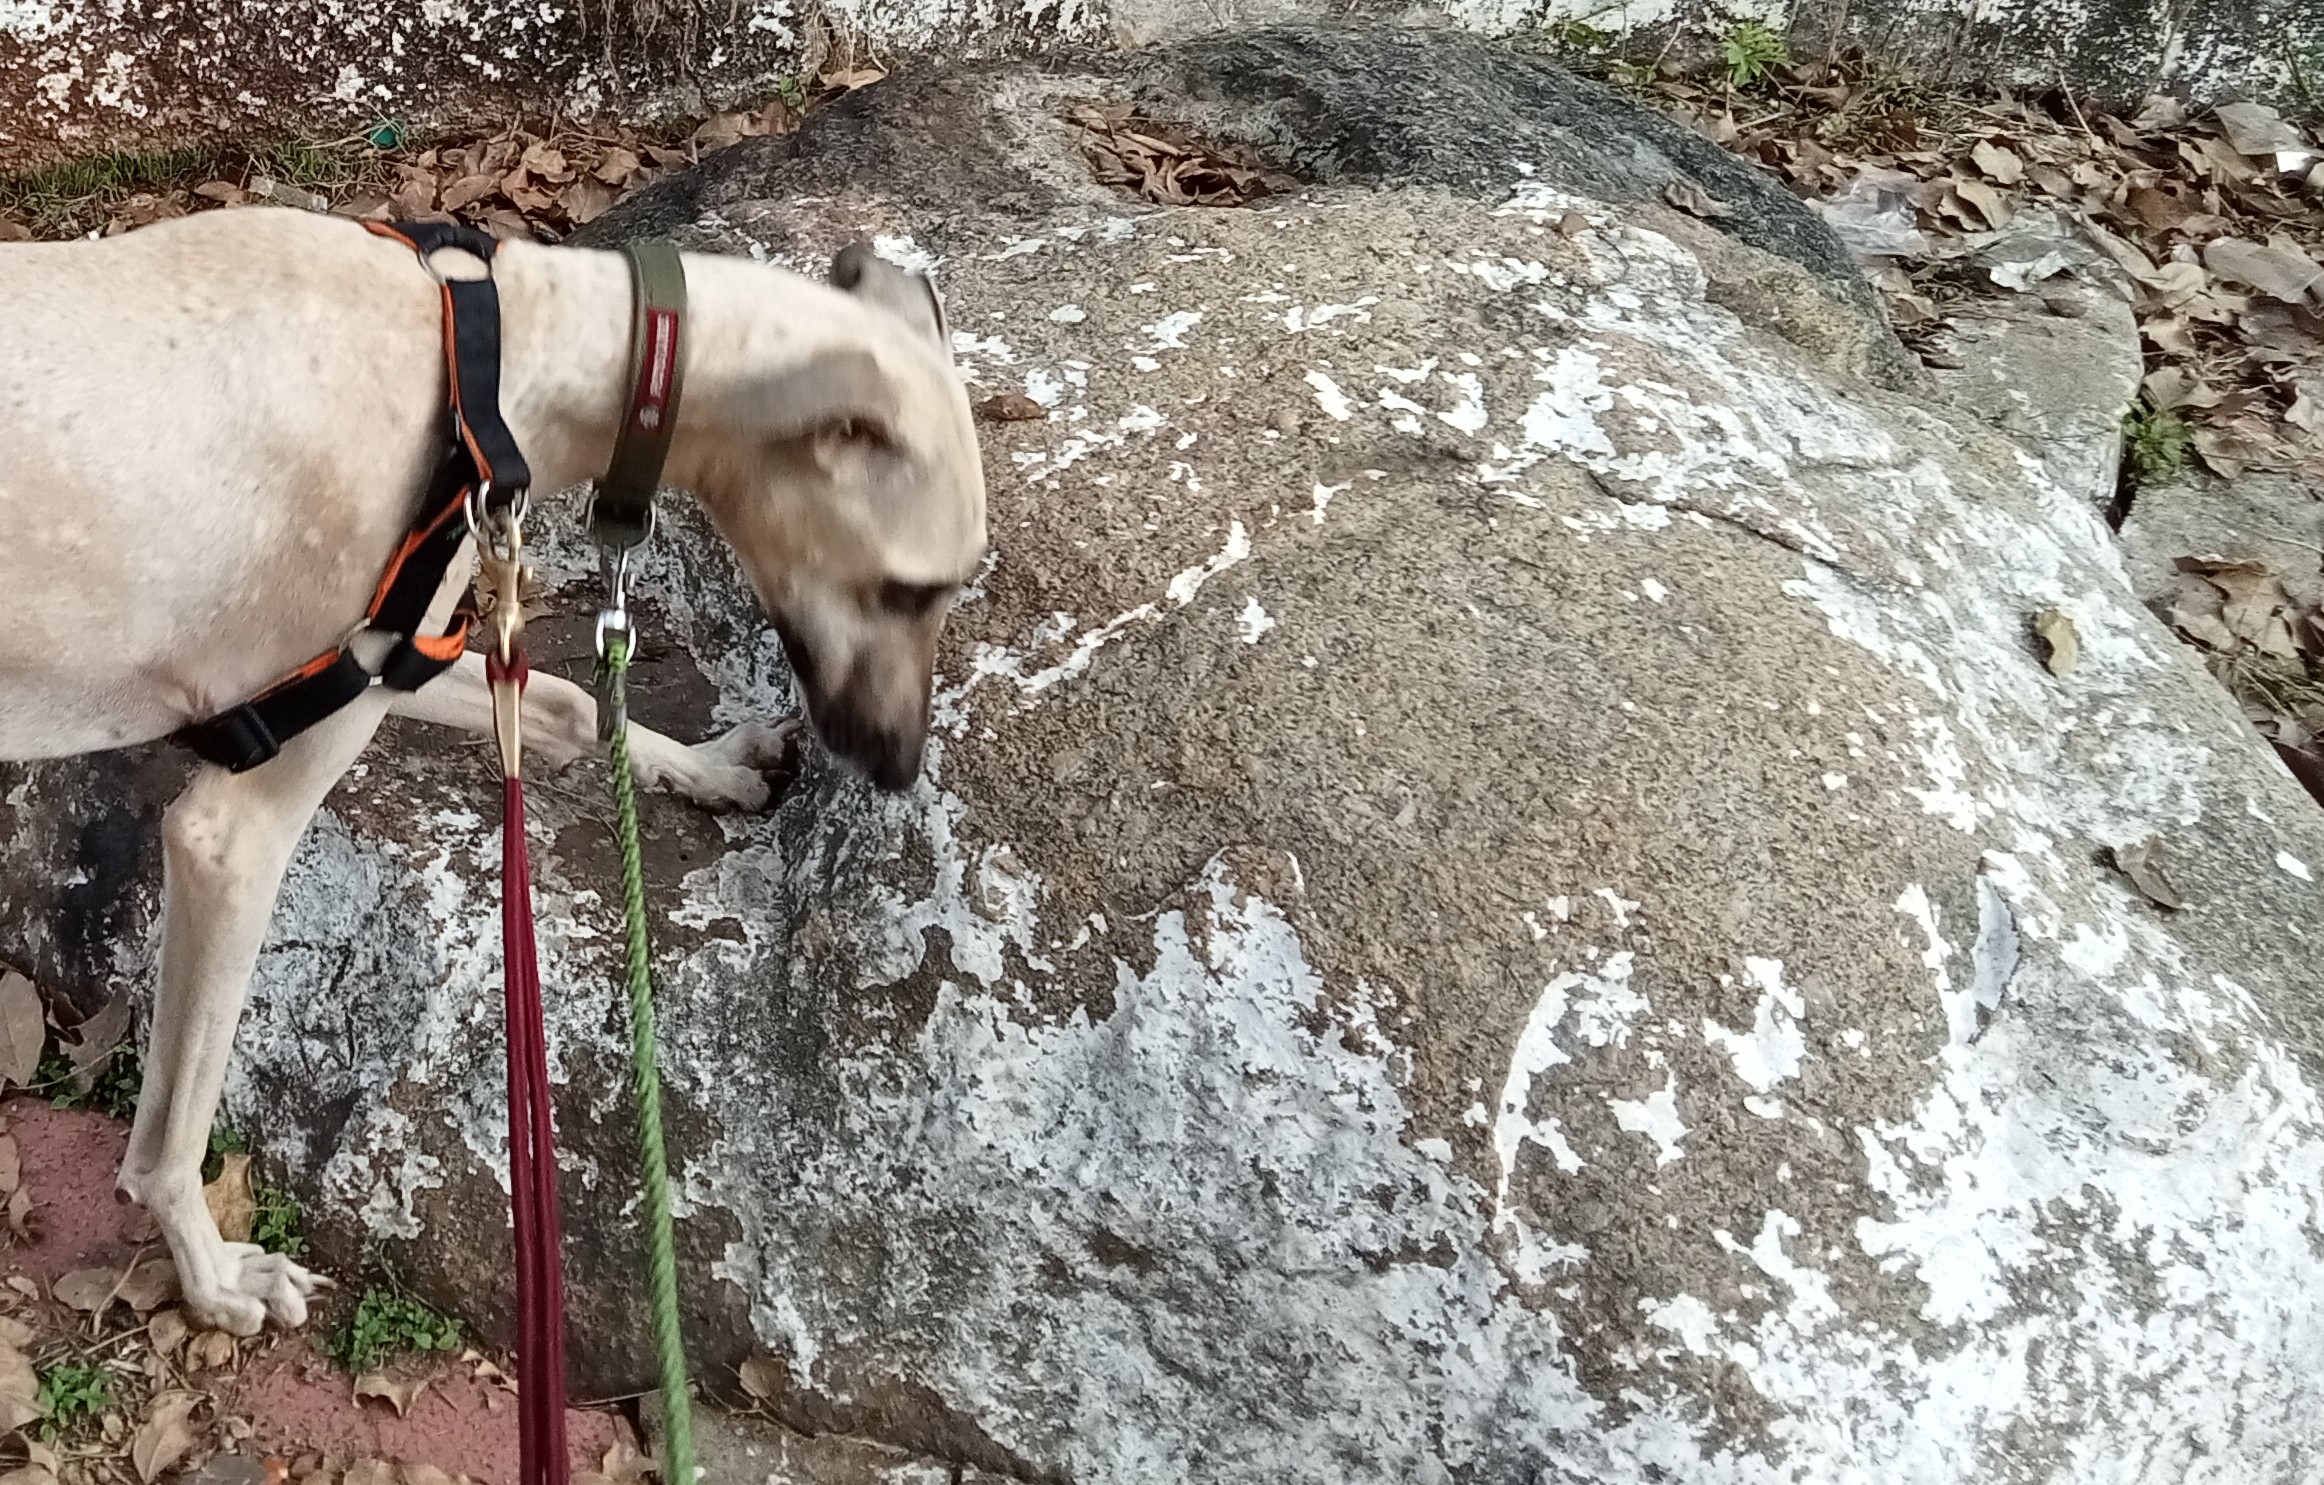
<point>847,480</point>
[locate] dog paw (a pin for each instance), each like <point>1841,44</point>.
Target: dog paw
<point>741,771</point>
<point>253,1286</point>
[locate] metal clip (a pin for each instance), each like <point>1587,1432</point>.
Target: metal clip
<point>612,699</point>
<point>502,581</point>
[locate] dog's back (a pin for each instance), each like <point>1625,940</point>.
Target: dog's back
<point>185,411</point>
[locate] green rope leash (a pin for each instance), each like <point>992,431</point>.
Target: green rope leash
<point>661,1246</point>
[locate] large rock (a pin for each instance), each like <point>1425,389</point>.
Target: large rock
<point>1504,894</point>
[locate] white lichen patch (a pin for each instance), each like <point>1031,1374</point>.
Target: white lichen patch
<point>1772,1050</point>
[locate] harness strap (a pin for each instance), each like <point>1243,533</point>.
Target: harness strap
<point>481,466</point>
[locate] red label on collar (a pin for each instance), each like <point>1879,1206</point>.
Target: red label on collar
<point>659,374</point>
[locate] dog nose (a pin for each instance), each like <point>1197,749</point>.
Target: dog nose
<point>895,763</point>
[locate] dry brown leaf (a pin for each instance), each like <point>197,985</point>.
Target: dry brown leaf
<point>30,1474</point>
<point>2000,163</point>
<point>167,1331</point>
<point>232,1205</point>
<point>2173,387</point>
<point>14,231</point>
<point>505,225</point>
<point>2253,604</point>
<point>2229,451</point>
<point>548,162</point>
<point>617,166</point>
<point>11,1162</point>
<point>427,1474</point>
<point>212,1350</point>
<point>468,190</point>
<point>2307,410</point>
<point>14,1332</point>
<point>167,1435</point>
<point>625,1465</point>
<point>1572,224</point>
<point>1694,200</point>
<point>1011,407</point>
<point>2159,210</point>
<point>1988,201</point>
<point>19,1389</point>
<point>2168,334</point>
<point>2143,864</point>
<point>397,1392</point>
<point>23,1028</point>
<point>2257,130</point>
<point>89,1290</point>
<point>764,1378</point>
<point>2276,270</point>
<point>152,1284</point>
<point>96,1039</point>
<point>847,80</point>
<point>2174,283</point>
<point>369,1472</point>
<point>414,197</point>
<point>585,201</point>
<point>523,194</point>
<point>2062,646</point>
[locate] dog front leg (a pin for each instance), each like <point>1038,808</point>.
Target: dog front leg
<point>226,842</point>
<point>560,724</point>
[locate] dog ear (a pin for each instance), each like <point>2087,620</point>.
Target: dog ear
<point>867,275</point>
<point>839,393</point>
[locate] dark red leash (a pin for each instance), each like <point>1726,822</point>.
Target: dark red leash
<point>532,1158</point>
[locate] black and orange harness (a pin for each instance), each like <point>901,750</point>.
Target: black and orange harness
<point>482,473</point>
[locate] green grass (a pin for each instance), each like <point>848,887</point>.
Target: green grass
<point>80,195</point>
<point>72,1395</point>
<point>388,1322</point>
<point>113,1091</point>
<point>1750,52</point>
<point>2156,444</point>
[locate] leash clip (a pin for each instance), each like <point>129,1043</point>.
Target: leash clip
<point>613,619</point>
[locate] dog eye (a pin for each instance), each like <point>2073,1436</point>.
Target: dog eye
<point>913,600</point>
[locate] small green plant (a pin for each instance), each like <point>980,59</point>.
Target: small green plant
<point>793,90</point>
<point>1750,52</point>
<point>388,1321</point>
<point>72,1393</point>
<point>223,1142</point>
<point>112,1091</point>
<point>275,1224</point>
<point>2155,443</point>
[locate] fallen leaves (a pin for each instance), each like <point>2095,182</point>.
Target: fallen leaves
<point>23,1030</point>
<point>1164,163</point>
<point>2062,646</point>
<point>89,1290</point>
<point>1010,407</point>
<point>19,1389</point>
<point>233,1204</point>
<point>96,1040</point>
<point>1694,200</point>
<point>2143,865</point>
<point>167,1435</point>
<point>2265,646</point>
<point>398,1393</point>
<point>2210,216</point>
<point>764,1377</point>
